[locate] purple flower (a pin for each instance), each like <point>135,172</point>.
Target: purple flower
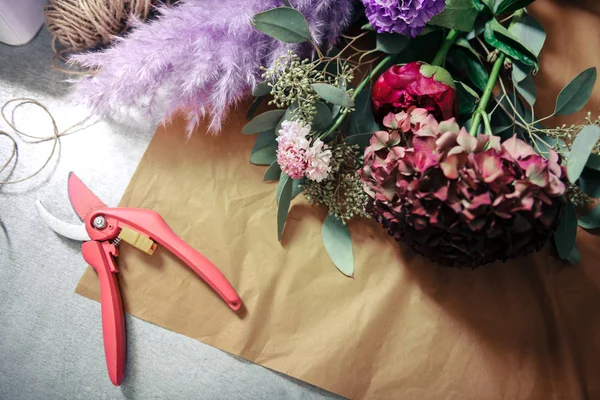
<point>407,17</point>
<point>199,58</point>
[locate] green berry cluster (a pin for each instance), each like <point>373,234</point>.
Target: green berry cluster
<point>291,81</point>
<point>342,191</point>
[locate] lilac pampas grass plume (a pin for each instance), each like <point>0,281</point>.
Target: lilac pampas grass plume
<point>199,57</point>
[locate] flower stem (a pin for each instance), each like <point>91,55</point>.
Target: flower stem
<point>440,57</point>
<point>487,93</point>
<point>359,89</point>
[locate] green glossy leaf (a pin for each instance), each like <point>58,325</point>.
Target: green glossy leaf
<point>263,122</point>
<point>470,66</point>
<point>467,98</point>
<point>362,120</point>
<point>361,139</point>
<point>576,94</point>
<point>458,14</point>
<point>338,243</point>
<point>565,235</point>
<point>580,151</point>
<point>284,198</point>
<point>589,182</point>
<point>262,89</point>
<point>508,6</point>
<point>499,37</point>
<point>529,32</point>
<point>591,220</point>
<point>323,117</point>
<point>263,152</point>
<point>390,43</point>
<point>333,95</point>
<point>526,88</point>
<point>462,42</point>
<point>273,172</point>
<point>284,24</point>
<point>574,257</point>
<point>477,29</point>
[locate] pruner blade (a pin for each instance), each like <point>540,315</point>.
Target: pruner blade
<point>71,231</point>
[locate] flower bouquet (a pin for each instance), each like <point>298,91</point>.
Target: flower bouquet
<point>422,117</point>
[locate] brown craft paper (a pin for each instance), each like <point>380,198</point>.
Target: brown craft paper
<point>404,327</point>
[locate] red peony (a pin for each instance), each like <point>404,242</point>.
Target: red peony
<point>415,85</point>
<point>457,199</point>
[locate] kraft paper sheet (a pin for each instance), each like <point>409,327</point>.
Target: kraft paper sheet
<point>404,327</point>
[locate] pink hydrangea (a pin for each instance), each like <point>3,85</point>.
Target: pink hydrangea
<point>318,159</point>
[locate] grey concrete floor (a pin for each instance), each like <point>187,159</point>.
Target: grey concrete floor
<point>50,337</point>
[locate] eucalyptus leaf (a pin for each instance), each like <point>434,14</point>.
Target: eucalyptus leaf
<point>589,182</point>
<point>390,43</point>
<point>529,32</point>
<point>265,146</point>
<point>458,14</point>
<point>254,106</point>
<point>580,151</point>
<point>367,27</point>
<point>508,6</point>
<point>323,117</point>
<point>526,88</point>
<point>287,116</point>
<point>467,98</point>
<point>361,139</point>
<point>284,198</point>
<point>263,122</point>
<point>591,220</point>
<point>574,257</point>
<point>262,89</point>
<point>273,172</point>
<point>499,37</point>
<point>332,94</point>
<point>297,187</point>
<point>462,42</point>
<point>565,235</point>
<point>576,94</point>
<point>520,71</point>
<point>338,243</point>
<point>593,162</point>
<point>284,24</point>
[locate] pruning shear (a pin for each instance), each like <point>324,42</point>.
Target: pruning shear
<point>102,231</point>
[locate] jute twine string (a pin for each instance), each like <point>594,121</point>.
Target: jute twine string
<point>85,24</point>
<point>32,138</point>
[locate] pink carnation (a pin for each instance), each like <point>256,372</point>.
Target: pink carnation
<point>318,158</point>
<point>292,147</point>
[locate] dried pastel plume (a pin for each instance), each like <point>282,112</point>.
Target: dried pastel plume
<point>200,57</point>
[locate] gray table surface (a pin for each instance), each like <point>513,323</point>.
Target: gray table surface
<point>50,337</point>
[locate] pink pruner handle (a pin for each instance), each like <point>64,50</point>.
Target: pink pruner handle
<point>100,257</point>
<point>153,225</point>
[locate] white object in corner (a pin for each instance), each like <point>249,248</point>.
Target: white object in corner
<point>20,20</point>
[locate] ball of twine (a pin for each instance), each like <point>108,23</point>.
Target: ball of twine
<point>85,24</point>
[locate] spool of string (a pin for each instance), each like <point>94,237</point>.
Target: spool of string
<point>85,24</point>
<point>30,138</point>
